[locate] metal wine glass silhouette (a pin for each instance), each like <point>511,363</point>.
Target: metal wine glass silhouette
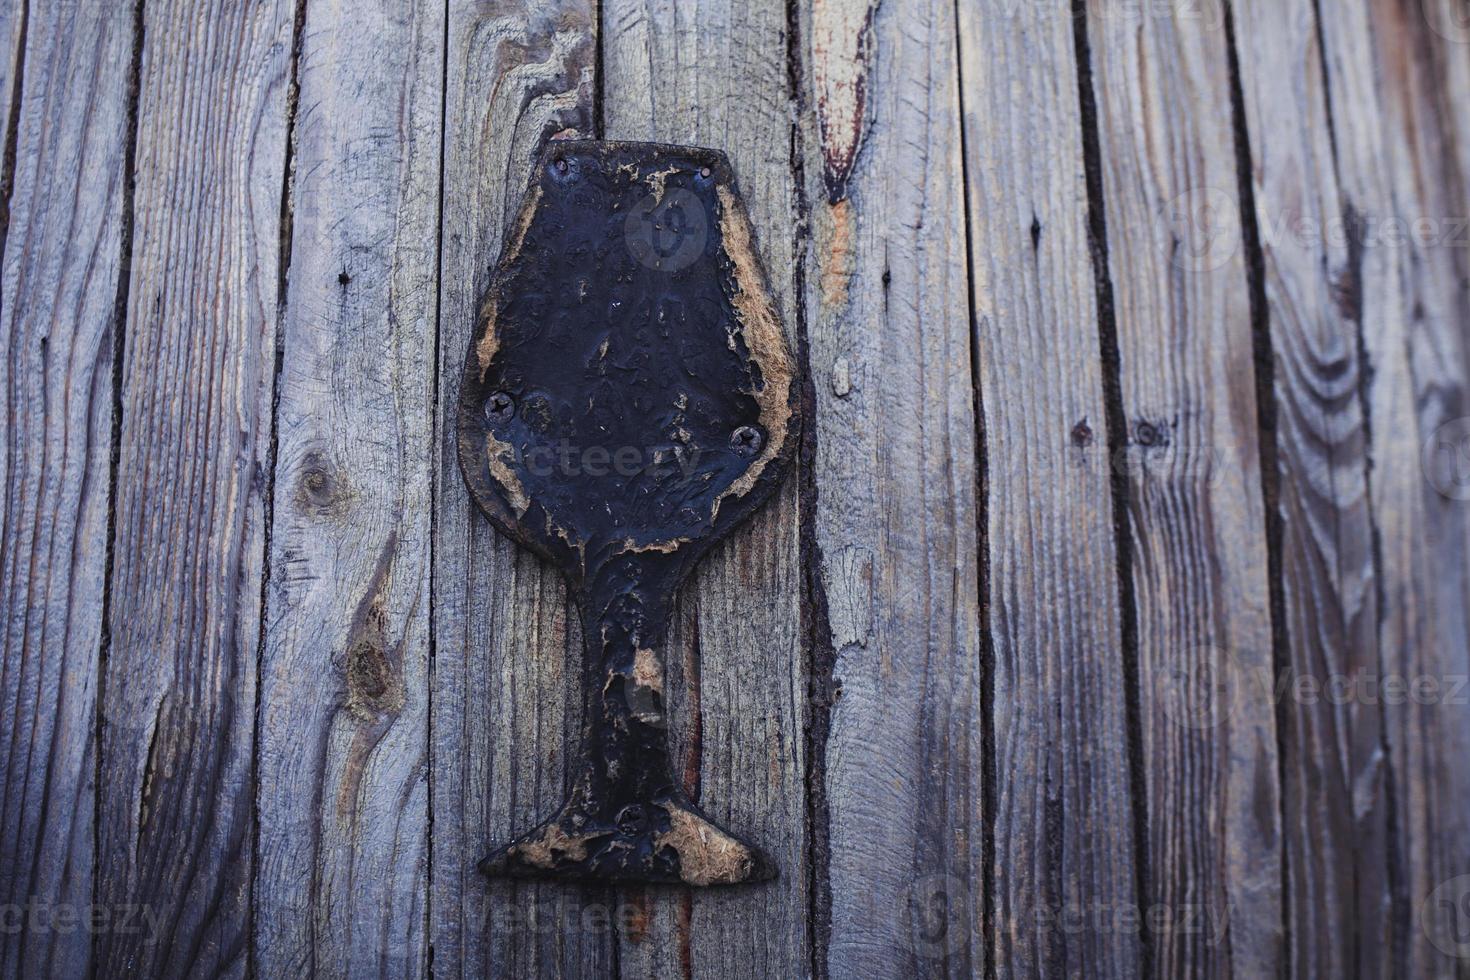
<point>628,398</point>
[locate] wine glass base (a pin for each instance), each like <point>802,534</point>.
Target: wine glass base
<point>664,842</point>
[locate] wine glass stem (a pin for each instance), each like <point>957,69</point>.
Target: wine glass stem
<point>625,736</point>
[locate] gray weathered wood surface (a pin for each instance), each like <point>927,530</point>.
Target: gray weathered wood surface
<point>1335,804</point>
<point>1198,552</point>
<point>176,786</point>
<point>1113,622</point>
<point>1063,815</point>
<point>64,234</point>
<point>343,745</point>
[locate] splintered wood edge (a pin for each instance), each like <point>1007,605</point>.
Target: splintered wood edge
<point>489,342</point>
<point>764,341</point>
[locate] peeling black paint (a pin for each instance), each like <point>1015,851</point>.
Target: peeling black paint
<point>645,404</point>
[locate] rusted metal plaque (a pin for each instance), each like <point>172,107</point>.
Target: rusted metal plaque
<point>628,399</point>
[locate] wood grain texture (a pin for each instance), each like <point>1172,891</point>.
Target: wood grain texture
<point>342,885</point>
<point>1003,237</point>
<point>1398,76</point>
<point>58,287</point>
<point>895,467</point>
<point>714,74</point>
<point>1336,790</point>
<point>13,24</point>
<point>1065,875</point>
<point>1161,78</point>
<point>505,685</point>
<point>180,675</point>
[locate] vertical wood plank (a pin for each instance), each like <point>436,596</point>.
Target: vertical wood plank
<point>13,24</point>
<point>62,258</point>
<point>713,74</point>
<point>505,694</point>
<point>180,676</point>
<point>1337,788</point>
<point>895,468</point>
<point>1161,78</point>
<point>1407,152</point>
<point>343,746</point>
<point>1065,894</point>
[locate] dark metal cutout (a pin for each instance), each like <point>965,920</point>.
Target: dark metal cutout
<point>628,399</point>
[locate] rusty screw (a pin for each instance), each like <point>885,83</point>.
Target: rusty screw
<point>747,440</point>
<point>499,407</point>
<point>561,165</point>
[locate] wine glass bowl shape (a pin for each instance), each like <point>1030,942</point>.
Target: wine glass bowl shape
<point>628,398</point>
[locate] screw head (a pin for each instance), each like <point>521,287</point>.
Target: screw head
<point>704,172</point>
<point>499,407</point>
<point>747,440</point>
<point>632,820</point>
<point>561,165</point>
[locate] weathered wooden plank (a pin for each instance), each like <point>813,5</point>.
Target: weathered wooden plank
<point>895,465</point>
<point>1161,78</point>
<point>342,879</point>
<point>505,684</point>
<point>13,23</point>
<point>1399,79</point>
<point>1336,794</point>
<point>62,258</point>
<point>1065,891</point>
<point>178,698</point>
<point>1430,746</point>
<point>714,74</point>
